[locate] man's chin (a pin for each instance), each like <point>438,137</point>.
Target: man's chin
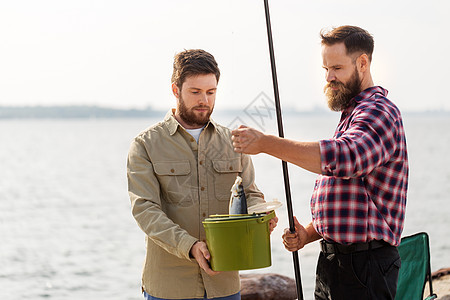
<point>203,118</point>
<point>197,119</point>
<point>335,104</point>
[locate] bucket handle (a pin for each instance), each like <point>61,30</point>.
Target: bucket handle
<point>267,217</point>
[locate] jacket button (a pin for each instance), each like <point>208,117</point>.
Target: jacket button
<point>202,188</point>
<point>231,168</point>
<point>201,162</point>
<point>172,170</point>
<point>204,215</point>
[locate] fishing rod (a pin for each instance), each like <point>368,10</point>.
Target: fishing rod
<point>287,187</point>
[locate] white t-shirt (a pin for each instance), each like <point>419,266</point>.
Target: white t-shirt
<point>195,132</point>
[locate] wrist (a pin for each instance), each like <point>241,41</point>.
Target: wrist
<point>267,142</point>
<point>312,234</point>
<point>190,251</point>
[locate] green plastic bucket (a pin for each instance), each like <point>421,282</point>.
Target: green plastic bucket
<point>239,242</point>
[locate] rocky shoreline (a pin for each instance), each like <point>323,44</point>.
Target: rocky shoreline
<point>273,286</point>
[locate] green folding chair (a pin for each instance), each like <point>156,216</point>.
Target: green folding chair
<point>415,270</point>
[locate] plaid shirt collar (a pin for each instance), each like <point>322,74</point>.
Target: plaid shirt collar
<point>367,93</point>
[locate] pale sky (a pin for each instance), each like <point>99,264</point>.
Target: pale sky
<point>119,53</point>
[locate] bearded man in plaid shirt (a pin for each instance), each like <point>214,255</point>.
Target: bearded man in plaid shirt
<point>358,202</point>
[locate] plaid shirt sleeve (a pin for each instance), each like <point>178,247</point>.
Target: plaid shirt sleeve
<point>370,141</point>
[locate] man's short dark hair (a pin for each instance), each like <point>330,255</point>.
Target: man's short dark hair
<point>193,62</point>
<point>354,38</point>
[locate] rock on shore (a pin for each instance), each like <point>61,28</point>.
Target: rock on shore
<point>267,287</point>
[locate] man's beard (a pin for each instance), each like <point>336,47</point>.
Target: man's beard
<point>190,117</point>
<point>340,99</point>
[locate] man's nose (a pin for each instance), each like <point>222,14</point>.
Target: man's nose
<point>203,99</point>
<point>330,76</point>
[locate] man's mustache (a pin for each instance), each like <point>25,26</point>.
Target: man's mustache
<point>201,107</point>
<point>334,84</point>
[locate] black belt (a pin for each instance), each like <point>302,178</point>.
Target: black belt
<point>334,248</point>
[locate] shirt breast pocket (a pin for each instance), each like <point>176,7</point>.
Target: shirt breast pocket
<point>225,172</point>
<point>175,181</point>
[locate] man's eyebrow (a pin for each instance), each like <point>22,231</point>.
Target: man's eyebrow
<point>333,66</point>
<point>198,89</point>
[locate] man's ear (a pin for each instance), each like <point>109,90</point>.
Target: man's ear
<point>175,90</point>
<point>364,62</point>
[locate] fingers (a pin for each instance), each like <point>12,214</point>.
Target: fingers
<point>235,133</point>
<point>296,224</point>
<point>291,246</point>
<point>205,252</point>
<point>238,130</point>
<point>246,140</point>
<point>273,223</point>
<point>238,138</point>
<point>205,266</point>
<point>202,256</point>
<point>237,144</point>
<point>236,141</point>
<point>289,236</point>
<point>291,240</point>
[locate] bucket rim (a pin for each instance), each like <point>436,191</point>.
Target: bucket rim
<point>230,218</point>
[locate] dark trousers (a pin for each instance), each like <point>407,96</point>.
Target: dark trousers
<point>370,274</point>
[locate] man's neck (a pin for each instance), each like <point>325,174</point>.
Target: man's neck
<point>367,83</point>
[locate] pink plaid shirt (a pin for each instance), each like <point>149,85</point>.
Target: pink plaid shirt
<point>361,194</point>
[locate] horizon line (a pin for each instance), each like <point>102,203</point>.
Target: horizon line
<point>149,108</point>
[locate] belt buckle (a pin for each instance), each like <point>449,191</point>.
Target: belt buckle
<point>328,248</point>
<point>324,246</point>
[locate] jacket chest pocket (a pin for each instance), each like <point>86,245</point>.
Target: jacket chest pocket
<point>224,175</point>
<point>175,181</point>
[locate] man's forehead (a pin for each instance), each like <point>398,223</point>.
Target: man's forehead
<point>201,81</point>
<point>339,50</point>
<point>335,49</point>
<point>335,54</point>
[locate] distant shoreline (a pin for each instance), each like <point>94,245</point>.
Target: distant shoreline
<point>72,112</point>
<point>97,112</point>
